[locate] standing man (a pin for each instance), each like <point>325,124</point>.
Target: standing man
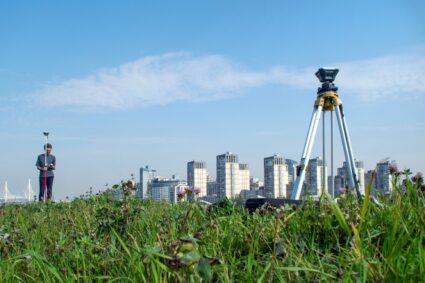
<point>46,164</point>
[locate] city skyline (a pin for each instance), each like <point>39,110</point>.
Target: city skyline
<point>277,181</point>
<point>123,84</point>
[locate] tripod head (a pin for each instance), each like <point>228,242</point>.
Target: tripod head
<point>326,76</point>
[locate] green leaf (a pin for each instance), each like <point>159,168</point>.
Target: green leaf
<point>264,273</point>
<point>186,248</point>
<point>366,201</point>
<point>338,214</point>
<point>122,243</point>
<point>204,269</point>
<point>190,258</point>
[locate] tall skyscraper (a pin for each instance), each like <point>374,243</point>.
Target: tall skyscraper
<point>383,178</point>
<point>292,169</point>
<point>228,176</point>
<point>244,176</point>
<point>360,175</point>
<point>146,176</point>
<point>314,177</point>
<point>275,177</point>
<point>197,177</point>
<point>292,175</point>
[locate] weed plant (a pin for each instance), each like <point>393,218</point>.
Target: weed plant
<point>99,239</point>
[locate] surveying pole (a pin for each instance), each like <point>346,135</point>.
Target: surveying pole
<point>327,101</point>
<point>46,134</point>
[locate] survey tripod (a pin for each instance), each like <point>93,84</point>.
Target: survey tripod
<point>327,101</point>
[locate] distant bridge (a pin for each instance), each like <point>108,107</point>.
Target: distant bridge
<point>7,197</point>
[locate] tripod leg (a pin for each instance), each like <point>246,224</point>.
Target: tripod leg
<point>310,130</point>
<point>350,153</point>
<point>324,173</point>
<point>348,162</point>
<point>315,118</point>
<point>344,146</point>
<point>332,189</point>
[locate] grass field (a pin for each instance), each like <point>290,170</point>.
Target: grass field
<point>98,239</point>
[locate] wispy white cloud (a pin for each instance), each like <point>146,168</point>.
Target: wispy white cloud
<point>153,80</point>
<point>399,77</point>
<point>167,78</point>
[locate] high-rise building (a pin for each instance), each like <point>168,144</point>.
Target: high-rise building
<point>212,189</point>
<point>360,175</point>
<point>275,177</point>
<point>244,176</point>
<point>292,169</point>
<point>197,177</point>
<point>314,177</point>
<point>292,175</point>
<point>369,174</point>
<point>210,178</point>
<point>339,185</point>
<point>329,178</point>
<point>228,176</point>
<point>168,190</point>
<point>343,180</point>
<point>383,178</point>
<point>255,183</point>
<point>146,176</point>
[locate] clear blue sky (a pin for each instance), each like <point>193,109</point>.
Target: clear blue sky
<point>122,84</point>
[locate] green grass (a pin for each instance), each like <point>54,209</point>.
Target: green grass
<point>102,240</point>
